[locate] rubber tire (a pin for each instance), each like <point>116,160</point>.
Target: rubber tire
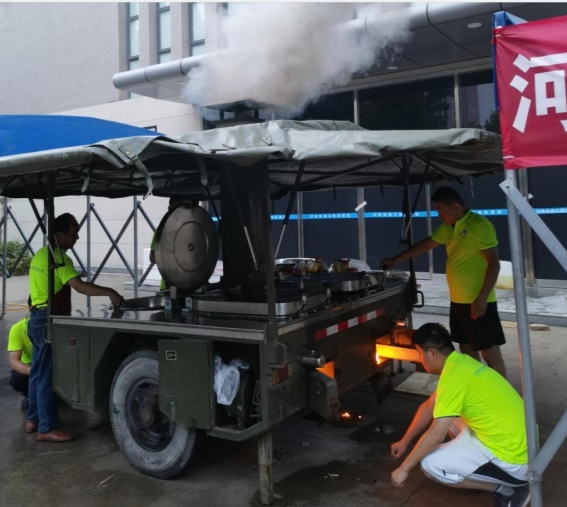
<point>176,456</point>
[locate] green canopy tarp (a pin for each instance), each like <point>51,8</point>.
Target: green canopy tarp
<point>334,154</point>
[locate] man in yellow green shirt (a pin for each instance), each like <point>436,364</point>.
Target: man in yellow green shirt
<point>20,353</point>
<point>483,414</point>
<point>472,270</point>
<point>42,414</point>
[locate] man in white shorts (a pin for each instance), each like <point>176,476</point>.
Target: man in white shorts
<point>483,414</point>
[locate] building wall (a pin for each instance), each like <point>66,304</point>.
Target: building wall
<point>57,56</point>
<point>73,50</point>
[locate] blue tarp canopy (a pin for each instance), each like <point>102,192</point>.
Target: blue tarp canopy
<point>30,133</point>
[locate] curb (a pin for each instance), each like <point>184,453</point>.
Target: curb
<point>549,320</point>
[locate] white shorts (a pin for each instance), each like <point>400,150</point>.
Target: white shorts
<point>465,457</point>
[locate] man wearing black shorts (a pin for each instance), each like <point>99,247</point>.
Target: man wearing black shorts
<point>472,270</point>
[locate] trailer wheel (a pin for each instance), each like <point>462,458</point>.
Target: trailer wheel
<point>153,443</point>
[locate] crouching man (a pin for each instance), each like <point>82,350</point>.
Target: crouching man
<point>483,414</point>
<point>20,350</point>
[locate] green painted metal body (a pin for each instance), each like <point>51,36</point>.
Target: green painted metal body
<point>88,351</point>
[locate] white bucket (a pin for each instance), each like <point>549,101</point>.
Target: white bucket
<point>505,278</point>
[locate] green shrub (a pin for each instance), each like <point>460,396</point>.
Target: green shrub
<point>14,248</point>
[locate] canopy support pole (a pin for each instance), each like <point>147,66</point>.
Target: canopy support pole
<point>407,236</point>
<point>89,276</point>
<point>300,237</point>
<point>136,274</point>
<point>516,249</point>
<point>52,265</point>
<point>290,204</point>
<point>152,227</point>
<point>4,253</point>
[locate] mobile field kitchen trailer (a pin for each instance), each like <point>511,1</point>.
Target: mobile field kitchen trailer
<point>296,338</point>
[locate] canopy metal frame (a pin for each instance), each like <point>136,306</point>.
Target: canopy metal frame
<point>138,280</point>
<point>538,459</point>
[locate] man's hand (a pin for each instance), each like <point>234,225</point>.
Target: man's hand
<point>398,449</point>
<point>478,308</point>
<point>399,476</point>
<point>389,263</point>
<point>116,299</point>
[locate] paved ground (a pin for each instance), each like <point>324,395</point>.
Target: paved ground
<point>91,471</point>
<point>547,308</point>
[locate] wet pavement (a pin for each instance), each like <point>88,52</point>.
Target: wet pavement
<point>545,305</point>
<point>331,466</point>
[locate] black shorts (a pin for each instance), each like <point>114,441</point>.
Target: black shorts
<point>480,334</point>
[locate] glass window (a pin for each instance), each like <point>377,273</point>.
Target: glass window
<point>477,106</point>
<point>133,38</point>
<point>132,9</point>
<point>165,29</point>
<point>133,53</point>
<point>197,49</point>
<point>338,106</point>
<point>133,32</point>
<point>197,22</point>
<point>164,32</point>
<point>428,104</point>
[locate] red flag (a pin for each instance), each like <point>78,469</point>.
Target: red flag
<point>531,70</point>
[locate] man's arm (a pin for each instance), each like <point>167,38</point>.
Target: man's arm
<point>91,289</point>
<point>416,250</point>
<point>430,441</point>
<point>478,308</point>
<point>421,421</point>
<point>16,363</point>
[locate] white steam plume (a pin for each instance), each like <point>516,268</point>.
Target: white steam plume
<point>286,55</point>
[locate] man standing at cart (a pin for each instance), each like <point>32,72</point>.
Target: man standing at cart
<point>482,413</point>
<point>472,270</point>
<point>42,415</point>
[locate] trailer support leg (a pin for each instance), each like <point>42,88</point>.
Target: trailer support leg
<point>265,464</point>
<point>266,495</point>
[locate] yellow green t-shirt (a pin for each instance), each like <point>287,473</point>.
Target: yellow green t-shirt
<point>466,266</point>
<point>18,340</point>
<point>152,246</point>
<point>39,270</point>
<point>488,405</point>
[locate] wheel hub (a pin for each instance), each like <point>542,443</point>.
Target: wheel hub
<point>149,427</point>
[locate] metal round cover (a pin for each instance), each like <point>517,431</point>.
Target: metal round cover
<point>186,247</point>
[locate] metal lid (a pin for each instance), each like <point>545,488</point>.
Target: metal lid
<point>187,247</point>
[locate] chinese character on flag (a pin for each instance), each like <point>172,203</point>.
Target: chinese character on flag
<point>531,69</point>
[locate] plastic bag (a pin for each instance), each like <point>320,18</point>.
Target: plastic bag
<point>227,379</point>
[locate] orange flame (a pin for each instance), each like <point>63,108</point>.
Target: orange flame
<point>346,415</point>
<point>378,358</point>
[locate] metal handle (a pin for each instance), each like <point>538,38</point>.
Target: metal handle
<point>422,304</point>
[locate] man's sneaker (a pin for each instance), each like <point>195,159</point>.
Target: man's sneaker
<point>25,404</point>
<point>520,498</point>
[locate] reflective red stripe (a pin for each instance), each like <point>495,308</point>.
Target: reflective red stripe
<point>342,326</point>
<point>322,333</point>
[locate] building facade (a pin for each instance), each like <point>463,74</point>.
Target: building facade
<point>128,62</point>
